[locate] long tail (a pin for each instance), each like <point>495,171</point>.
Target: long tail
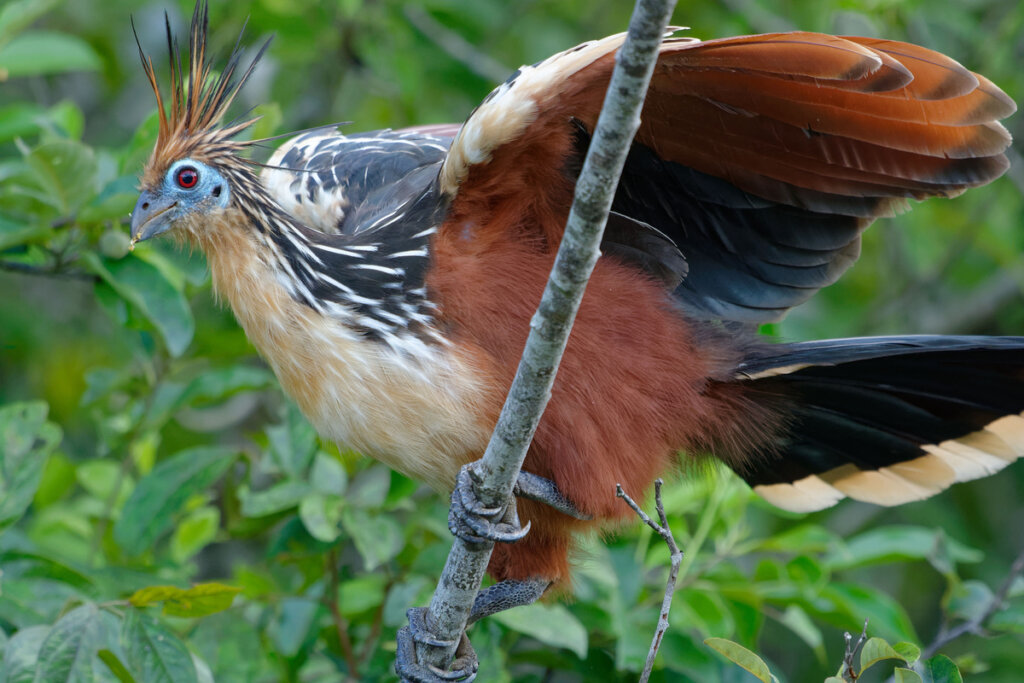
<point>886,420</point>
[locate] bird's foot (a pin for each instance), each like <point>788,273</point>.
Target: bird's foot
<point>491,600</point>
<point>463,668</point>
<point>474,522</point>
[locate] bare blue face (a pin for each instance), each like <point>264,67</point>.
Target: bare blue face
<point>188,187</point>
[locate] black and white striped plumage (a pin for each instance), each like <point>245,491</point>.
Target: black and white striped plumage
<point>373,202</point>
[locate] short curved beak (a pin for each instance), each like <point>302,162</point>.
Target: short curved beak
<point>151,216</point>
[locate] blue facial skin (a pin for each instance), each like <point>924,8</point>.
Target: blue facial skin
<point>156,211</point>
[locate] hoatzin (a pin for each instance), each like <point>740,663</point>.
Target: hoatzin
<point>388,278</point>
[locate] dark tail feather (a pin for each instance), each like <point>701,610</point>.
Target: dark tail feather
<point>885,420</point>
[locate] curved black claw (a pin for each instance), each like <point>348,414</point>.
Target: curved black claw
<point>463,668</point>
<point>473,522</point>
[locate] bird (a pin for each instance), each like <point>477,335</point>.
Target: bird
<point>388,278</point>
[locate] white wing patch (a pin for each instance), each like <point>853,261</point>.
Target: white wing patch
<point>328,210</point>
<point>506,113</point>
<point>968,457</point>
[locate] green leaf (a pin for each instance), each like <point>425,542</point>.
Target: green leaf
<point>859,602</point>
<point>66,656</point>
<point>66,172</point>
<point>908,652</point>
<point>143,286</point>
<point>369,488</point>
<point>741,656</point>
<point>220,383</point>
<point>940,669</point>
<point>328,475</point>
<point>115,666</point>
<point>797,621</point>
<point>154,652</point>
<point>17,15</point>
<point>198,601</point>
<point>19,120</point>
<point>35,53</point>
<point>194,532</point>
<point>289,628</point>
<point>970,599</point>
<point>895,543</point>
<point>67,116</point>
<point>162,494</point>
<point>150,595</point>
<point>13,234</point>
<point>278,498</point>
<point>99,477</point>
<point>21,654</point>
<point>704,610</point>
<point>26,439</point>
<point>361,594</point>
<point>36,565</point>
<point>403,595</point>
<point>320,515</point>
<point>901,675</point>
<point>806,538</point>
<point>874,651</point>
<point>378,538</point>
<point>57,480</point>
<point>1009,619</point>
<point>233,647</point>
<point>552,625</point>
<point>293,443</point>
<point>201,600</point>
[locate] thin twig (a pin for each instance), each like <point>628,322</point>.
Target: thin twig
<point>676,557</point>
<point>340,623</point>
<point>45,271</point>
<point>549,330</point>
<point>849,672</point>
<point>370,644</point>
<point>946,635</point>
<point>455,46</point>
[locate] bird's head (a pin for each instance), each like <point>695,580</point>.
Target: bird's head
<point>196,166</point>
<point>187,189</point>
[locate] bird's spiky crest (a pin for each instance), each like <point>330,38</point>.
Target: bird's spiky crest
<point>190,126</point>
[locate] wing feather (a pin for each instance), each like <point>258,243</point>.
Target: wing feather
<point>836,131</point>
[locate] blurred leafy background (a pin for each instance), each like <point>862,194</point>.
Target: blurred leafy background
<point>145,449</point>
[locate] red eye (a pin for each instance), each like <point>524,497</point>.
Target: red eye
<point>187,177</point>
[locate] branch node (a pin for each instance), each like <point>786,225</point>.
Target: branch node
<point>665,532</point>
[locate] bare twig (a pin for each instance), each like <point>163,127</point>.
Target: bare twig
<point>45,271</point>
<point>849,672</point>
<point>455,46</point>
<point>946,635</point>
<point>676,557</point>
<point>340,623</point>
<point>578,253</point>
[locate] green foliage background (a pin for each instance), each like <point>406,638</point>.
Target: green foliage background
<point>145,449</point>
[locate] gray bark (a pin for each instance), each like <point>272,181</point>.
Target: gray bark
<point>550,326</point>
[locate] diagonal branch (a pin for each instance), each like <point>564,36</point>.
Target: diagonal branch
<point>577,254</point>
<point>976,625</point>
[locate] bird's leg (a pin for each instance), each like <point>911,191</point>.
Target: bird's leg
<point>491,600</point>
<point>506,595</point>
<point>543,490</point>
<point>473,522</point>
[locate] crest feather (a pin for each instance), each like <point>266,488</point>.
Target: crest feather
<point>191,124</point>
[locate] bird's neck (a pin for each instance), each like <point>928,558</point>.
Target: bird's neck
<point>417,413</point>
